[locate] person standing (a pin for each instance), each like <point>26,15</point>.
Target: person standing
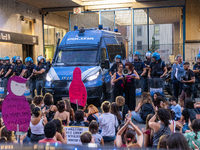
<point>13,61</point>
<point>8,71</point>
<point>30,66</point>
<point>177,72</point>
<point>157,71</point>
<point>140,68</point>
<point>19,67</point>
<point>1,67</point>
<point>130,86</point>
<point>196,70</point>
<point>118,80</point>
<point>188,81</point>
<point>114,67</point>
<point>147,63</point>
<point>40,73</point>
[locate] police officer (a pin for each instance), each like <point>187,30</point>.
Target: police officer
<point>147,63</point>
<point>140,69</point>
<point>8,71</point>
<point>40,73</point>
<point>196,70</point>
<point>19,68</point>
<point>1,67</point>
<point>13,61</point>
<point>30,66</point>
<point>157,71</point>
<point>113,69</point>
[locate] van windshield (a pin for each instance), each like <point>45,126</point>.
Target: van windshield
<point>77,57</point>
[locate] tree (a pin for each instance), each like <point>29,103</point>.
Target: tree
<point>153,45</point>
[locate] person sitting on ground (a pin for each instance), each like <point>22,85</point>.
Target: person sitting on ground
<point>148,133</point>
<point>188,113</point>
<point>161,128</point>
<point>60,132</point>
<point>155,102</point>
<point>86,138</point>
<point>38,101</point>
<point>50,108</point>
<point>162,142</point>
<point>177,141</point>
<point>62,114</point>
<point>194,135</point>
<point>161,103</point>
<point>115,111</point>
<point>176,108</point>
<point>93,113</point>
<point>9,135</point>
<point>69,109</point>
<point>37,125</point>
<point>94,128</point>
<point>145,106</point>
<point>49,131</point>
<point>30,100</point>
<point>130,136</point>
<point>120,100</point>
<point>107,123</point>
<point>79,119</point>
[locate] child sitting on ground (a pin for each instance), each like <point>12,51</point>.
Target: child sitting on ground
<point>176,108</point>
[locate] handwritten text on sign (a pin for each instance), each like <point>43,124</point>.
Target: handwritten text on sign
<point>74,133</point>
<point>77,90</point>
<point>16,110</point>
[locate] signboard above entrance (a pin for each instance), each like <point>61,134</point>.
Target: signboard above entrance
<point>18,38</point>
<point>77,10</point>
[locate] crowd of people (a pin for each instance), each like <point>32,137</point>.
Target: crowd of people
<point>35,74</point>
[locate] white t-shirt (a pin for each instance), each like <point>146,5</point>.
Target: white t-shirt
<point>108,122</point>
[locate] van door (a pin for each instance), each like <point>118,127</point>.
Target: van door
<point>105,72</point>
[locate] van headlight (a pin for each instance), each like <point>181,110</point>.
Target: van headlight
<point>49,77</point>
<point>93,77</point>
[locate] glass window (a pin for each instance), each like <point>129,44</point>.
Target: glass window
<point>156,30</point>
<point>139,30</point>
<point>157,44</point>
<point>139,45</point>
<point>103,55</point>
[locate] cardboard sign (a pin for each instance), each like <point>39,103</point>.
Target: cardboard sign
<point>74,133</point>
<point>77,90</point>
<point>15,107</point>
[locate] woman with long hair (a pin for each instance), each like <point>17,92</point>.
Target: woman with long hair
<point>93,113</point>
<point>177,141</point>
<point>115,111</point>
<point>130,86</point>
<point>118,80</point>
<point>194,135</point>
<point>60,132</point>
<point>145,106</point>
<point>62,114</point>
<point>163,127</point>
<point>70,109</point>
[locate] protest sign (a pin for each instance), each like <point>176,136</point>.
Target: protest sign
<point>77,90</point>
<point>74,133</point>
<point>15,108</point>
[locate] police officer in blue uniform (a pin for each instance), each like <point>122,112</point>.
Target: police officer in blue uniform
<point>113,69</point>
<point>140,68</point>
<point>13,61</point>
<point>30,66</point>
<point>19,68</point>
<point>8,71</point>
<point>196,70</point>
<point>157,71</point>
<point>147,63</point>
<point>40,74</point>
<point>1,67</point>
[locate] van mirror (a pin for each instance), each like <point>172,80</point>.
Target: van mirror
<point>105,64</point>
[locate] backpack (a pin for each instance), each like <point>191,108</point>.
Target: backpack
<point>192,114</point>
<point>146,109</point>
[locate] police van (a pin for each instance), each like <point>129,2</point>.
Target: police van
<point>93,51</point>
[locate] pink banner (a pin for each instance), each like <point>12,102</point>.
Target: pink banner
<point>77,90</point>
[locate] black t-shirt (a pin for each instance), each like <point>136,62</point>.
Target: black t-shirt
<point>79,123</point>
<point>90,118</point>
<point>189,75</point>
<point>186,115</point>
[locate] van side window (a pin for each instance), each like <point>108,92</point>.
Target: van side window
<point>103,55</point>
